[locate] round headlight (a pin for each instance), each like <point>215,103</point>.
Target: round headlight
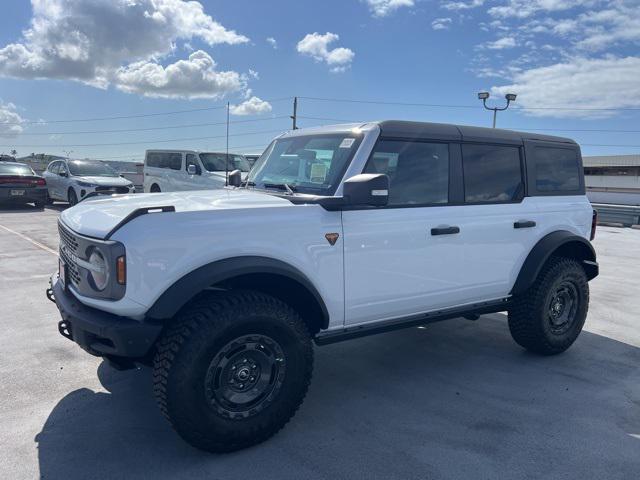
<point>99,271</point>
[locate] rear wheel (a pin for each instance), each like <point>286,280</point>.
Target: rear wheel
<point>72,197</point>
<point>39,205</point>
<point>155,188</point>
<point>548,318</point>
<point>232,370</point>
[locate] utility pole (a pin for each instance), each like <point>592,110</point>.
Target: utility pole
<point>226,162</point>
<point>294,117</point>
<point>511,97</point>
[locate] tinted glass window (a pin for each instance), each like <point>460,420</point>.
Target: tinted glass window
<point>154,160</point>
<point>217,162</point>
<point>418,172</point>
<point>54,167</point>
<point>308,164</point>
<point>13,169</point>
<point>172,160</point>
<point>491,173</point>
<point>84,168</point>
<point>191,160</point>
<point>557,169</point>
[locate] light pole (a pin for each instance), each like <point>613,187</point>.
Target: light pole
<point>511,97</point>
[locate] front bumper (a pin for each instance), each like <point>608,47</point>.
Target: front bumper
<point>101,333</point>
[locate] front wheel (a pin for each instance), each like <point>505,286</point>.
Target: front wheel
<point>232,370</point>
<point>72,197</point>
<point>548,318</point>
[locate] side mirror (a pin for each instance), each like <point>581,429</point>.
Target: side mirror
<point>235,178</point>
<point>366,189</point>
<point>192,169</point>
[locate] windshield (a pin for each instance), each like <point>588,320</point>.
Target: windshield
<point>82,168</point>
<point>216,162</point>
<point>8,169</point>
<point>311,164</point>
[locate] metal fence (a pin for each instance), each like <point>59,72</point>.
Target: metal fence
<point>627,215</point>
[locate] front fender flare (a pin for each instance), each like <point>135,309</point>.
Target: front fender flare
<point>580,247</point>
<point>194,282</point>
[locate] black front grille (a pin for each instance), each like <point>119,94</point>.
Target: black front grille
<point>68,238</point>
<point>69,247</point>
<point>113,189</point>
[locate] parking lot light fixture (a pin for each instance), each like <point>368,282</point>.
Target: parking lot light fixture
<point>510,97</point>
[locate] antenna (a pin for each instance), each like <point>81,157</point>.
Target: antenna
<point>226,162</point>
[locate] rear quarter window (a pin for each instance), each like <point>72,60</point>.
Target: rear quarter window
<point>172,160</point>
<point>556,169</point>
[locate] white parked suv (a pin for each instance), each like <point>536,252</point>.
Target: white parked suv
<point>177,170</point>
<point>74,180</point>
<point>338,232</point>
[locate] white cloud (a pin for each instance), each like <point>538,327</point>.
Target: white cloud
<point>501,43</point>
<point>10,121</point>
<point>253,106</point>
<point>273,42</point>
<point>441,24</point>
<point>609,82</point>
<point>89,40</point>
<point>527,8</point>
<point>196,77</point>
<point>460,5</point>
<point>317,46</point>
<point>382,8</point>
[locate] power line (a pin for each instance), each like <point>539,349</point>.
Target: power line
<point>170,127</point>
<point>141,115</point>
<point>592,130</point>
<point>442,105</point>
<point>136,156</point>
<point>141,142</point>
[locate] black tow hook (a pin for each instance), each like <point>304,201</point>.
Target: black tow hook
<point>50,296</point>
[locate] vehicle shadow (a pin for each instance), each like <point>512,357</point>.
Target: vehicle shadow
<point>19,208</point>
<point>29,208</point>
<point>452,400</point>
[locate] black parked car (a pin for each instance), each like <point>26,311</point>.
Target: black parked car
<point>19,184</point>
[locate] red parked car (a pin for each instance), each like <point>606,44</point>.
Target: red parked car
<point>19,184</point>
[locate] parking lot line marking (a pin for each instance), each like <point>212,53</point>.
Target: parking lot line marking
<point>30,240</point>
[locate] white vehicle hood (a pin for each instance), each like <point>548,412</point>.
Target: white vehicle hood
<point>104,181</point>
<point>97,217</point>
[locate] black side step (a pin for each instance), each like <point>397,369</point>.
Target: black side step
<point>339,335</point>
<point>138,213</point>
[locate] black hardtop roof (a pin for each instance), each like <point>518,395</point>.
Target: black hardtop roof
<point>445,131</point>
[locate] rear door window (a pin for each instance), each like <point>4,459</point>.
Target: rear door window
<point>492,173</point>
<point>556,169</point>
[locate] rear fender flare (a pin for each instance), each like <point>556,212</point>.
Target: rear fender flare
<point>561,241</point>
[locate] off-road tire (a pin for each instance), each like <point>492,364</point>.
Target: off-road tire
<point>188,349</point>
<point>529,318</point>
<point>72,197</point>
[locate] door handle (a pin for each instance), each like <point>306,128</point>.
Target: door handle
<point>445,230</point>
<point>524,224</point>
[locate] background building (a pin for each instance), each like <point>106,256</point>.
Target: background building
<point>613,179</point>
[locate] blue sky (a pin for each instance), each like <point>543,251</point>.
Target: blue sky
<point>82,59</point>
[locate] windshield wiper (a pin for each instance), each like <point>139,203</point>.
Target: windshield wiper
<point>249,184</point>
<point>281,186</point>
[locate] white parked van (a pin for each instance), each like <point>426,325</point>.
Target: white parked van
<point>176,170</point>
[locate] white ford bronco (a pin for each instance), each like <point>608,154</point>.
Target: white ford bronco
<point>336,233</point>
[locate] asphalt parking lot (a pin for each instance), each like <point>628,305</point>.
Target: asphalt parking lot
<point>457,399</point>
